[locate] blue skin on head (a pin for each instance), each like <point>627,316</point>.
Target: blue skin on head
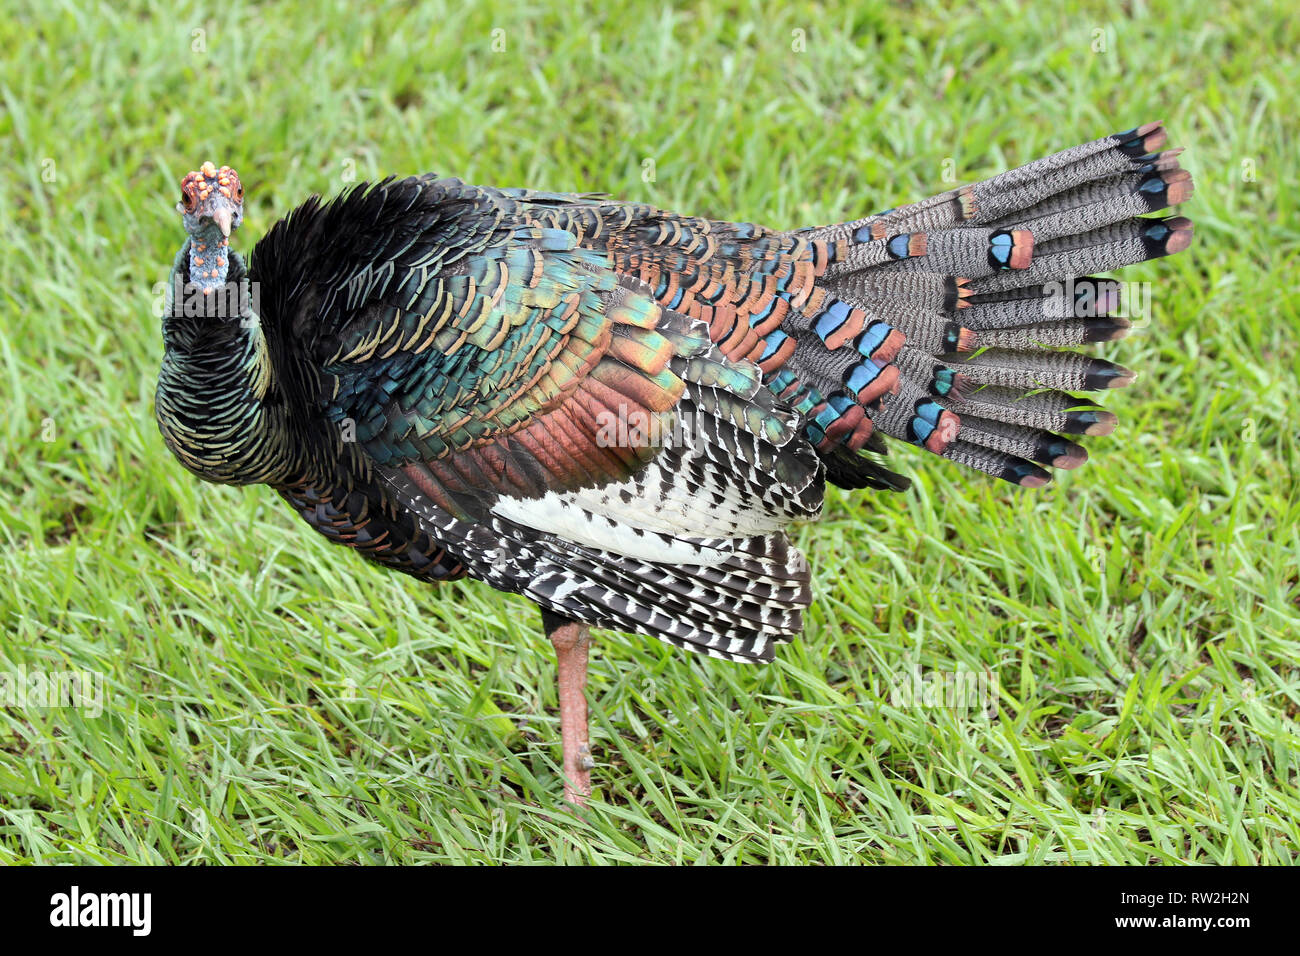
<point>211,207</point>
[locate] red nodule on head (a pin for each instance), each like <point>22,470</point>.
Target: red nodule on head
<point>199,185</point>
<point>209,191</point>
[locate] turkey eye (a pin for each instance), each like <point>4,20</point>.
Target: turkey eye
<point>187,200</point>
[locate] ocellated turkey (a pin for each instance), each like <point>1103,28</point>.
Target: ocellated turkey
<point>617,411</point>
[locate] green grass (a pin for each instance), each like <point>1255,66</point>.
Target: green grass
<point>272,698</point>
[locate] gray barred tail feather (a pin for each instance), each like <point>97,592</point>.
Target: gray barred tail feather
<point>942,320</point>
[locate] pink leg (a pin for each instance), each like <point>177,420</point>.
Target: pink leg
<point>571,640</point>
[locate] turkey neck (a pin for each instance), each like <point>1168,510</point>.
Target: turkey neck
<point>209,258</point>
<point>217,405</point>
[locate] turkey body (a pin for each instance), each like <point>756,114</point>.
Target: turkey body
<point>617,411</point>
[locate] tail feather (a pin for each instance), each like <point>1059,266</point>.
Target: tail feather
<point>1034,305</point>
<point>1099,250</point>
<point>939,323</point>
<point>971,253</point>
<point>1055,334</point>
<point>893,295</point>
<point>1034,444</point>
<point>1043,368</point>
<point>1106,201</point>
<point>999,464</point>
<point>1048,409</point>
<point>991,200</point>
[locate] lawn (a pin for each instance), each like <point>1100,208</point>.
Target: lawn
<point>1129,631</point>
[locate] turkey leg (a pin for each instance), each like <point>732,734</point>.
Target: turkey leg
<point>571,641</point>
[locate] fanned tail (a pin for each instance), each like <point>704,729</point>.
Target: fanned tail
<point>939,323</point>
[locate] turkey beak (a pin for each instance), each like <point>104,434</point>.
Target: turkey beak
<point>222,218</point>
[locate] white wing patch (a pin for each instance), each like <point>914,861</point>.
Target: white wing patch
<point>565,517</point>
<point>684,507</point>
